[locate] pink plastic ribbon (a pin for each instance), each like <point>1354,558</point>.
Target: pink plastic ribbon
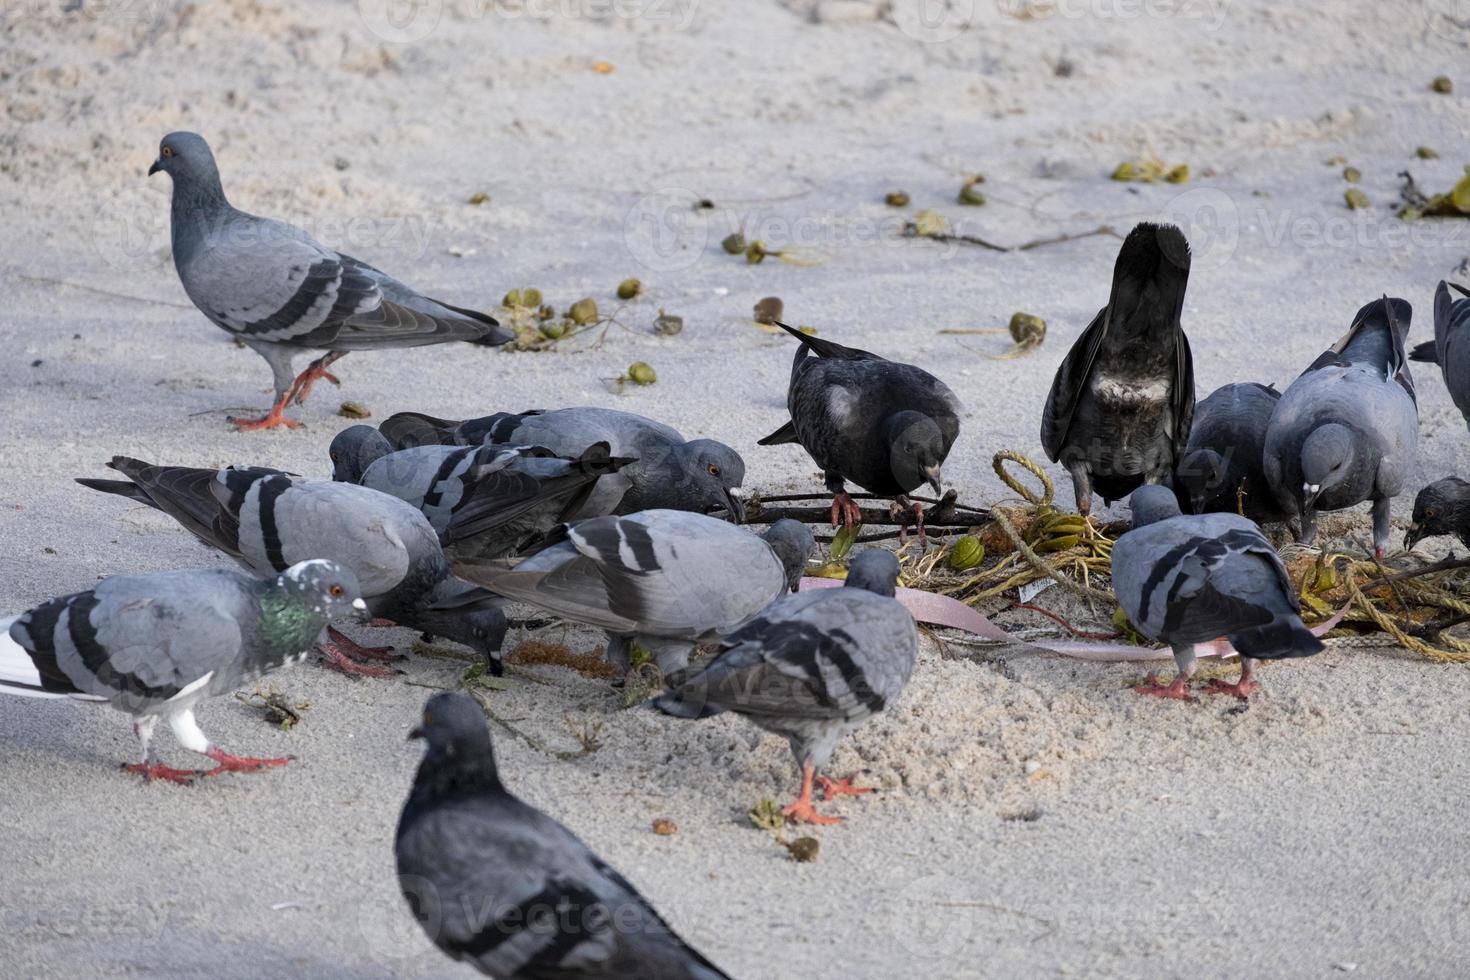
<point>941,610</point>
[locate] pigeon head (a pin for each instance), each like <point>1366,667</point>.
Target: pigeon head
<point>1199,474</point>
<point>354,449</point>
<point>714,472</point>
<point>457,744</point>
<point>1443,507</point>
<point>186,158</point>
<point>875,570</point>
<point>915,450</point>
<point>1151,504</point>
<point>330,588</point>
<point>793,543</point>
<point>481,626</point>
<point>1329,458</point>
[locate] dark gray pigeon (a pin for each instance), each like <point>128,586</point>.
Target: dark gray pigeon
<point>483,501</point>
<point>1347,430</point>
<point>266,520</point>
<point>664,579</point>
<point>670,472</point>
<point>154,646</point>
<point>504,887</point>
<point>812,667</point>
<point>281,293</point>
<point>1221,470</point>
<point>1184,580</point>
<point>886,426</point>
<point>1450,348</point>
<point>1443,507</point>
<point>1121,405</point>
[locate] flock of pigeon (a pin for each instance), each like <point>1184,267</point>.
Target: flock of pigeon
<point>618,522</point>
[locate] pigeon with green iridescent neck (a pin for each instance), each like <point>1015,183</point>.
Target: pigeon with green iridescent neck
<point>266,520</point>
<point>155,646</point>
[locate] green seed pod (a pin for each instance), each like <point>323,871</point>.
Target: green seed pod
<point>1125,171</point>
<point>1178,175</point>
<point>842,542</point>
<point>1442,85</point>
<point>531,298</point>
<point>667,325</point>
<point>769,310</point>
<point>479,197</point>
<point>1427,153</point>
<point>1352,174</point>
<point>930,223</point>
<point>1027,329</point>
<point>809,331</point>
<point>630,289</point>
<point>513,300</point>
<point>583,312</point>
<point>1356,199</point>
<point>1460,196</point>
<point>755,252</point>
<point>546,312</point>
<point>640,373</point>
<point>354,410</point>
<point>804,849</point>
<point>896,199</point>
<point>734,243</point>
<point>967,552</point>
<point>971,196</point>
<point>553,329</point>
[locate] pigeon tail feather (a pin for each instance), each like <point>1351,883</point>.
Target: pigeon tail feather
<point>673,704</point>
<point>18,674</point>
<point>1280,639</point>
<point>1425,352</point>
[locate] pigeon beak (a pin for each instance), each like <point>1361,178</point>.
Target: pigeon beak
<point>157,166</point>
<point>361,610</point>
<point>931,476</point>
<point>734,507</point>
<point>415,733</point>
<point>1310,492</point>
<point>1413,536</point>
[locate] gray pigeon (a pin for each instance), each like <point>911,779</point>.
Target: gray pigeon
<point>1450,348</point>
<point>504,887</point>
<point>1184,580</point>
<point>154,646</point>
<point>1120,408</point>
<point>664,579</point>
<point>281,293</point>
<point>671,473</point>
<point>1221,470</point>
<point>812,667</point>
<point>886,426</point>
<point>1443,507</point>
<point>266,520</point>
<point>1347,430</point>
<point>483,501</point>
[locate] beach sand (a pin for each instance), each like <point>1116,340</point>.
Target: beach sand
<point>1035,817</point>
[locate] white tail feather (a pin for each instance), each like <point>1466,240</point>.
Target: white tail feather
<point>18,675</point>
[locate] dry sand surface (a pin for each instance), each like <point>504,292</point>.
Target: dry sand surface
<point>1036,817</point>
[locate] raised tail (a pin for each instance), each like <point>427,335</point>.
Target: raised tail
<point>826,348</point>
<point>787,433</point>
<point>123,488</point>
<point>1425,352</point>
<point>1282,638</point>
<point>494,335</point>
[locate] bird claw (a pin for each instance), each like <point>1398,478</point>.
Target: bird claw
<point>357,651</point>
<point>241,763</point>
<point>1177,690</point>
<point>340,661</point>
<point>1241,688</point>
<point>802,811</point>
<point>151,771</point>
<point>315,371</point>
<point>841,787</point>
<point>270,421</point>
<point>845,511</point>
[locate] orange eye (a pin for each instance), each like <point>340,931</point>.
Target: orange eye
<point>714,470</point>
<point>336,590</point>
<point>168,151</point>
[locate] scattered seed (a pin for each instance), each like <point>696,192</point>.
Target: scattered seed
<point>734,243</point>
<point>769,310</point>
<point>1442,85</point>
<point>630,289</point>
<point>583,312</point>
<point>479,197</point>
<point>665,827</point>
<point>640,373</point>
<point>354,410</point>
<point>896,199</point>
<point>1352,174</point>
<point>804,849</point>
<point>1356,199</point>
<point>667,325</point>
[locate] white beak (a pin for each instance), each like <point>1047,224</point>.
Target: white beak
<point>359,605</point>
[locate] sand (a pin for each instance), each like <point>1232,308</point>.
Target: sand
<point>1036,818</point>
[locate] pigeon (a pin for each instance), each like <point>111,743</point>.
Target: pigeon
<point>500,885</point>
<point>886,426</point>
<point>664,579</point>
<point>1347,430</point>
<point>1221,470</point>
<point>1443,507</point>
<point>1450,348</point>
<point>1192,579</point>
<point>155,646</point>
<point>697,475</point>
<point>266,520</point>
<point>482,501</point>
<point>1120,408</point>
<point>812,667</point>
<point>281,293</point>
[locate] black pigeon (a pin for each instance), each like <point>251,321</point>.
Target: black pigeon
<point>883,425</point>
<point>1450,348</point>
<point>1221,471</point>
<point>1443,507</point>
<point>501,885</point>
<point>1120,408</point>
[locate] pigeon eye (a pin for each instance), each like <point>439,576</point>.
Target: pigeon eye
<point>168,151</point>
<point>714,470</point>
<point>336,590</point>
<point>334,457</point>
<point>1431,513</point>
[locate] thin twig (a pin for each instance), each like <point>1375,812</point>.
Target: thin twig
<point>104,292</point>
